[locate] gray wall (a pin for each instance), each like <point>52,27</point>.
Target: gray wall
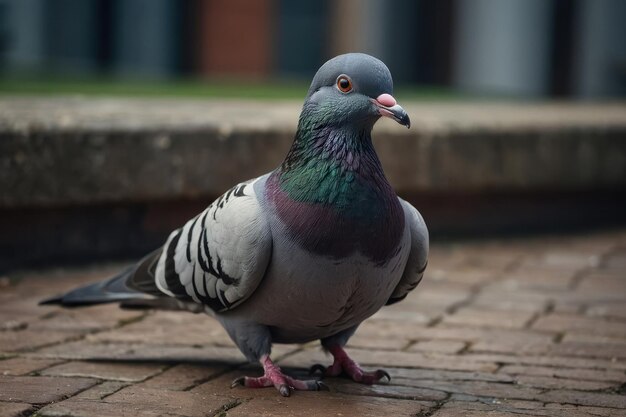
<point>502,46</point>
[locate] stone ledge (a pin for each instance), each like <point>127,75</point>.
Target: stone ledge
<point>59,152</point>
<point>85,179</point>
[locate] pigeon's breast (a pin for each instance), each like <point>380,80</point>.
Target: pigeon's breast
<point>370,222</point>
<point>306,296</point>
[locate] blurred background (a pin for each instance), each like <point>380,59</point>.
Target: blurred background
<point>512,48</point>
<point>114,131</point>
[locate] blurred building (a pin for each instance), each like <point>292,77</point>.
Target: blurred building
<point>526,48</point>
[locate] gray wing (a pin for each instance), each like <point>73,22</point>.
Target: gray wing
<point>219,257</point>
<point>418,256</point>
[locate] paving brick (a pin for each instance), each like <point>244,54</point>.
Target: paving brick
<point>142,352</point>
<point>398,312</point>
<point>29,339</point>
<point>537,279</point>
<point>17,306</point>
<point>441,294</point>
<point>417,310</point>
<point>552,396</point>
<point>363,341</point>
<point>582,324</point>
<point>476,334</point>
<point>8,409</point>
<point>579,349</point>
<point>387,329</point>
<point>170,328</point>
<point>587,298</point>
<point>471,407</point>
<point>481,388</point>
<point>509,301</point>
<point>562,383</point>
<point>34,284</point>
<point>168,399</point>
<point>468,275</point>
<point>591,349</point>
<point>584,398</point>
<point>510,347</point>
<point>616,311</point>
<point>491,252</point>
<point>388,359</point>
<point>615,261</point>
<point>385,390</point>
<point>430,308</point>
<point>568,306</point>
<point>101,390</point>
<point>469,410</point>
<point>85,320</point>
<point>602,284</point>
<point>446,256</point>
<point>442,289</point>
<point>545,360</point>
<point>573,373</point>
<point>184,376</point>
<point>516,285</point>
<point>12,322</point>
<point>403,374</point>
<point>126,371</point>
<point>24,366</point>
<point>593,411</point>
<point>315,404</point>
<point>602,274</point>
<point>568,259</point>
<point>592,338</point>
<point>488,318</point>
<point>142,402</point>
<point>456,346</point>
<point>438,346</point>
<point>40,389</point>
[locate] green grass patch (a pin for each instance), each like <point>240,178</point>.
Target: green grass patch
<point>185,88</point>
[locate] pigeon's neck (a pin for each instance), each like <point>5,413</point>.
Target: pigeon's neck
<point>329,165</point>
<point>332,194</point>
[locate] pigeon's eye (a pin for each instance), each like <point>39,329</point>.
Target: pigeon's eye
<point>344,84</point>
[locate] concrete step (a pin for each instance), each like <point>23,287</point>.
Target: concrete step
<point>85,178</point>
<point>73,151</point>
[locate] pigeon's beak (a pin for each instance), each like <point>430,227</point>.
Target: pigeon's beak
<point>387,107</point>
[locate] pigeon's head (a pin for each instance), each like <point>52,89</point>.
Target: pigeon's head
<point>355,90</point>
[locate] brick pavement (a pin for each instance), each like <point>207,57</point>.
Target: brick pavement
<point>533,326</point>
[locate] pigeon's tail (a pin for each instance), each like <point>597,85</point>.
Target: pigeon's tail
<point>135,283</point>
<point>108,291</point>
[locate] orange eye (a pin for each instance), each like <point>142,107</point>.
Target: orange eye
<point>344,84</point>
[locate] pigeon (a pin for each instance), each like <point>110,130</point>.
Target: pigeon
<point>306,252</point>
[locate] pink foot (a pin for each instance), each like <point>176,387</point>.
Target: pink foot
<point>343,363</point>
<point>274,376</point>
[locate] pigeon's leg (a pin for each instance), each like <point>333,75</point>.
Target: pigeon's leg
<point>343,363</point>
<point>274,376</point>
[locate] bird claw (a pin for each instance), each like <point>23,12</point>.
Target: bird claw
<point>284,384</point>
<point>343,364</point>
<point>370,378</point>
<point>284,390</point>
<point>322,387</point>
<point>381,373</point>
<point>365,378</point>
<point>241,381</point>
<point>317,367</point>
